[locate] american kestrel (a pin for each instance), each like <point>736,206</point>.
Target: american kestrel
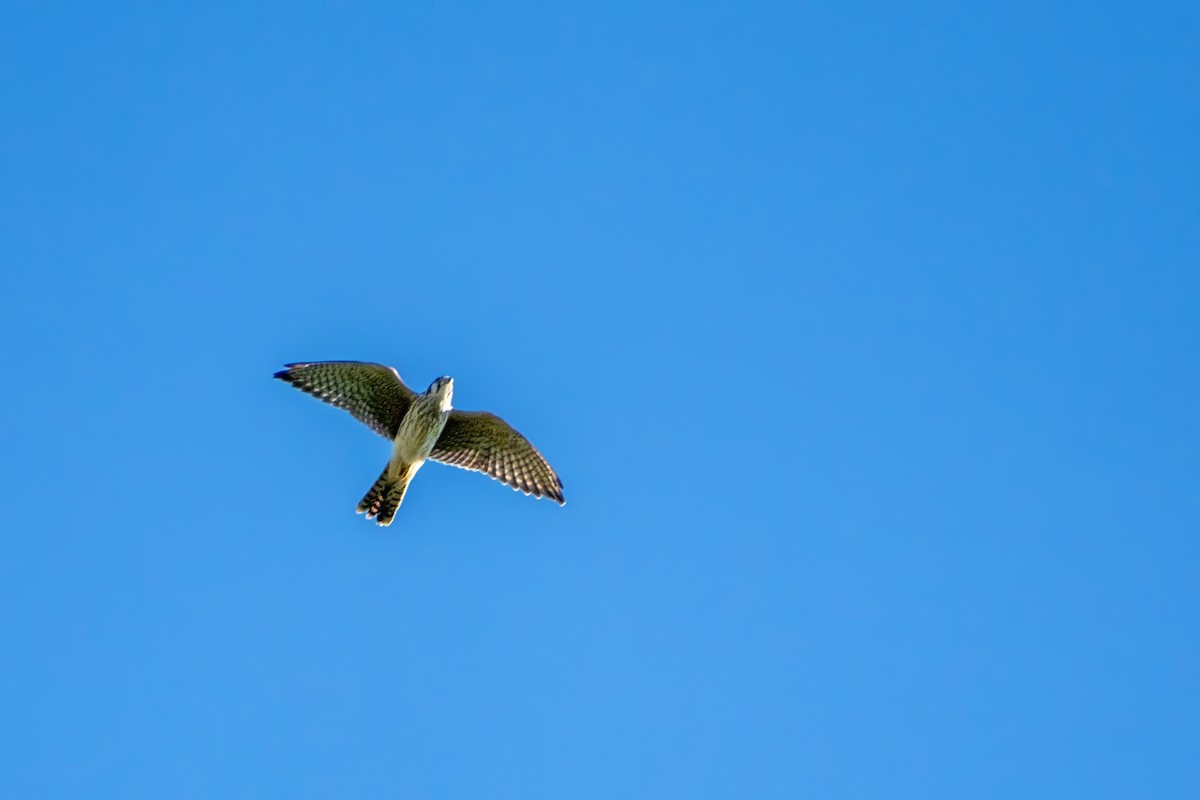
<point>423,426</point>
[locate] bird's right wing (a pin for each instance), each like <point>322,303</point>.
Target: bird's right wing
<point>479,441</point>
<point>373,393</point>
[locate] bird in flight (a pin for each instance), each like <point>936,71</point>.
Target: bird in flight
<point>423,426</point>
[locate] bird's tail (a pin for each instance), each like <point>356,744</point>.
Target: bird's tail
<point>385,496</point>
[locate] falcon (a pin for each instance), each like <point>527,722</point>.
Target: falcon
<point>423,426</point>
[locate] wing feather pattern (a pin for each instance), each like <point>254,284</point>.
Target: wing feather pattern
<point>482,442</point>
<point>372,393</point>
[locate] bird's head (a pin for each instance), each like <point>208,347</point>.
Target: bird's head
<point>443,388</point>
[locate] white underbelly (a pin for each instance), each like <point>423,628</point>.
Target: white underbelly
<point>411,452</point>
<point>417,435</point>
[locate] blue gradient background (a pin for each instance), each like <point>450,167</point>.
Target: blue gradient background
<point>863,335</point>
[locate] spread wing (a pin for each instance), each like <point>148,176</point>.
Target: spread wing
<point>373,393</point>
<point>479,441</point>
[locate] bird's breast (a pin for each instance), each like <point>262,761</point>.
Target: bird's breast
<point>419,431</point>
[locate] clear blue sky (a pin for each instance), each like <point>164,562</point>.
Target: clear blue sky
<point>863,335</point>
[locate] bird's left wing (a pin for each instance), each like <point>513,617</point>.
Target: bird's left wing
<point>479,441</point>
<point>373,393</point>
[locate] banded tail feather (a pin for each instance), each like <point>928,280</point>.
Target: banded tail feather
<point>383,499</point>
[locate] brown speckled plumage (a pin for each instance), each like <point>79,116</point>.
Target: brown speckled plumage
<point>482,442</point>
<point>474,440</point>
